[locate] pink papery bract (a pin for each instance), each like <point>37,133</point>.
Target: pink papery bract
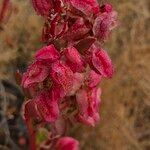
<point>103,24</point>
<point>88,7</point>
<point>30,111</point>
<point>73,59</point>
<point>62,75</point>
<point>88,102</point>
<point>47,105</point>
<point>67,143</point>
<point>100,61</point>
<point>84,44</point>
<point>106,8</point>
<point>77,30</point>
<point>48,54</point>
<point>44,106</point>
<point>93,79</point>
<point>36,73</point>
<point>78,81</point>
<point>59,127</point>
<point>42,7</point>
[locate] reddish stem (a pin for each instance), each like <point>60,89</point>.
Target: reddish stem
<point>4,8</point>
<point>32,139</point>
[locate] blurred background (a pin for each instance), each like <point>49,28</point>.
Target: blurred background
<point>125,107</point>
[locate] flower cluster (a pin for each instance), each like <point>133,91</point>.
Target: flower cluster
<point>62,82</point>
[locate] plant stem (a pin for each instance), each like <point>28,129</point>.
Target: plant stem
<point>32,134</point>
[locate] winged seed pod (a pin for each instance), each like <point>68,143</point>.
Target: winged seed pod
<point>62,83</point>
<point>42,7</point>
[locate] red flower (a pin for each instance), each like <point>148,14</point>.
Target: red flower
<point>78,81</point>
<point>88,7</point>
<point>36,73</point>
<point>100,61</point>
<point>67,143</point>
<point>104,23</point>
<point>74,59</point>
<point>93,79</point>
<point>60,126</point>
<point>56,28</point>
<point>42,7</point>
<point>30,111</point>
<point>77,30</point>
<point>48,54</point>
<point>43,107</point>
<point>47,105</point>
<point>88,103</point>
<point>106,8</point>
<point>62,86</point>
<point>62,75</point>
